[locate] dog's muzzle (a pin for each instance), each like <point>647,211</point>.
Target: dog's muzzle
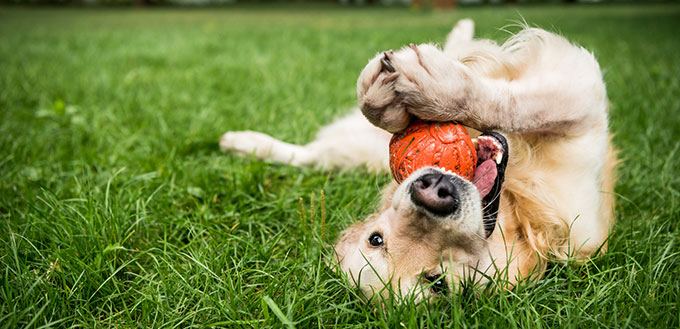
<point>436,192</point>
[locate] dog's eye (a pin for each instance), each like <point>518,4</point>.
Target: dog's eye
<point>375,239</point>
<point>439,285</point>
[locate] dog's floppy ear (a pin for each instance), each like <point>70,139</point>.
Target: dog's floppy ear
<point>349,237</point>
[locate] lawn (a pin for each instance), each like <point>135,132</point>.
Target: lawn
<point>118,210</point>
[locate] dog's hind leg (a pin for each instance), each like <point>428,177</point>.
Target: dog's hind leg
<point>346,143</point>
<point>264,147</point>
<point>461,33</point>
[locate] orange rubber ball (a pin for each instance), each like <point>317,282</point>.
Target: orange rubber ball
<point>438,144</point>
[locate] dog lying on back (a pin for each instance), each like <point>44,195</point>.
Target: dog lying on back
<point>542,106</point>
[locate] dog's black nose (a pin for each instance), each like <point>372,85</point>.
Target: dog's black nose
<point>436,193</point>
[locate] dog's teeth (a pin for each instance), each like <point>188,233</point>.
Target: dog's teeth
<point>498,157</point>
<point>495,142</point>
<point>475,142</point>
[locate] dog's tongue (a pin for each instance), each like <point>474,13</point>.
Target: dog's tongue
<point>485,176</point>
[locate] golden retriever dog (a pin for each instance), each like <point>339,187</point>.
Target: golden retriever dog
<point>537,108</point>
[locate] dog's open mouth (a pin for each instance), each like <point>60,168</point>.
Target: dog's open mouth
<point>492,157</point>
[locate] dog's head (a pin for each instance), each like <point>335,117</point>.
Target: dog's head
<point>431,231</point>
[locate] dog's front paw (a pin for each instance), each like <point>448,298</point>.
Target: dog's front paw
<point>416,80</point>
<point>378,100</point>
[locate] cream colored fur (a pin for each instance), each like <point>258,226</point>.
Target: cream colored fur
<point>548,98</point>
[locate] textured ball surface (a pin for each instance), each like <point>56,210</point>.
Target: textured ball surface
<point>438,144</point>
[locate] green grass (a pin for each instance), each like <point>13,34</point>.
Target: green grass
<point>117,210</point>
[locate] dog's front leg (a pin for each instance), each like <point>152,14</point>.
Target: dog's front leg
<point>422,81</point>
